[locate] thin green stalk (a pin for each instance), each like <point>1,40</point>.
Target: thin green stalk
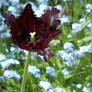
<point>25,72</point>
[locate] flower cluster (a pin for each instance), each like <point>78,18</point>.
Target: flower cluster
<point>2,57</point>
<point>57,90</point>
<point>85,89</point>
<point>66,72</point>
<point>35,71</point>
<point>69,54</point>
<point>89,25</point>
<point>82,20</point>
<point>7,63</point>
<point>68,47</point>
<point>68,57</point>
<point>11,74</point>
<point>50,70</point>
<point>1,77</point>
<point>64,19</point>
<point>45,85</point>
<point>76,27</point>
<point>89,8</point>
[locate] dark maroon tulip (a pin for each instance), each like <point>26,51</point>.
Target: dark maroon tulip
<point>45,29</point>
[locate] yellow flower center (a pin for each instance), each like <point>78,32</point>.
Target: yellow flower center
<point>32,36</point>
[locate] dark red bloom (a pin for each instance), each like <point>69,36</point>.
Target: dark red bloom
<point>45,28</point>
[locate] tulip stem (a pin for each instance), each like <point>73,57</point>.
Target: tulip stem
<point>25,72</point>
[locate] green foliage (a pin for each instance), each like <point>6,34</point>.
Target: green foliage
<point>81,72</point>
